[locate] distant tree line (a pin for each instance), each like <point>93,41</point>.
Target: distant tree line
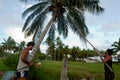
<point>55,51</point>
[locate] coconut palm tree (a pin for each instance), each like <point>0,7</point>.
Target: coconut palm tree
<point>20,46</point>
<point>51,48</point>
<point>116,46</point>
<point>65,14</point>
<point>74,52</point>
<point>9,44</point>
<point>59,48</point>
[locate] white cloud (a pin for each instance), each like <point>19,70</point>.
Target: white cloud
<point>17,34</point>
<point>8,20</point>
<point>74,40</point>
<point>95,38</point>
<point>110,27</point>
<point>110,30</point>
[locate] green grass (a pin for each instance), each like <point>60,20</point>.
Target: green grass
<point>78,70</point>
<point>51,70</point>
<point>86,70</point>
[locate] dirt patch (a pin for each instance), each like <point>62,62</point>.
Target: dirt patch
<point>1,73</point>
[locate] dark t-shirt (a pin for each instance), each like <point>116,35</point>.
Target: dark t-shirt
<point>110,65</point>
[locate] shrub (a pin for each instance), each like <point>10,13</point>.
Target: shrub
<point>11,61</point>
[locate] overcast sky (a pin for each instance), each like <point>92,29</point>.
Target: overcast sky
<point>104,28</point>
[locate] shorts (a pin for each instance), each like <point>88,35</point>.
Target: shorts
<point>109,75</point>
<point>22,74</point>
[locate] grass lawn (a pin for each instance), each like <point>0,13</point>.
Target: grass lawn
<point>51,70</point>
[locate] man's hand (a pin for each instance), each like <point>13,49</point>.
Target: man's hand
<point>31,63</point>
<point>38,64</point>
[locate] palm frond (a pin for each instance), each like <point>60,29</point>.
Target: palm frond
<point>34,7</point>
<point>71,3</point>
<point>77,19</point>
<point>93,6</point>
<point>116,46</point>
<point>62,26</point>
<point>51,33</point>
<point>33,15</point>
<point>37,22</point>
<point>38,30</point>
<point>28,32</point>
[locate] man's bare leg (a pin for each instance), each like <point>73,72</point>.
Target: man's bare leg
<point>22,78</point>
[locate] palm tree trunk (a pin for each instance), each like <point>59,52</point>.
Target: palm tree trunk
<point>64,69</point>
<point>55,55</point>
<point>42,37</point>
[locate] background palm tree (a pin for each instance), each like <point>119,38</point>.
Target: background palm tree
<point>64,13</point>
<point>51,48</point>
<point>116,46</point>
<point>59,48</point>
<point>75,52</point>
<point>20,46</point>
<point>9,45</point>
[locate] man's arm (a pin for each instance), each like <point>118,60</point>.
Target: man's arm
<point>24,56</point>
